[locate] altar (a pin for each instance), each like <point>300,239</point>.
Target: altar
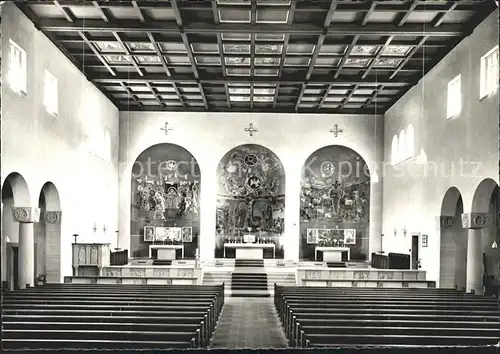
<point>250,250</point>
<point>166,252</point>
<point>332,254</point>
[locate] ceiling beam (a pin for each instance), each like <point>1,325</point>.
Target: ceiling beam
<point>329,41</point>
<point>372,97</point>
<point>408,57</point>
<point>372,29</point>
<point>215,14</point>
<point>377,57</point>
<point>349,96</point>
<point>317,49</point>
<point>267,109</point>
<point>407,13</point>
<point>187,45</point>
<point>438,20</point>
<point>253,15</point>
<point>216,79</point>
<point>291,13</point>
<point>368,13</point>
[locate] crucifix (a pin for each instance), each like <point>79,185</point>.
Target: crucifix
<point>336,130</point>
<point>166,129</point>
<point>251,129</point>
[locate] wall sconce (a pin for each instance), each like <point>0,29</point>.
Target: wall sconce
<point>104,228</point>
<point>395,232</point>
<point>404,231</point>
<point>94,227</point>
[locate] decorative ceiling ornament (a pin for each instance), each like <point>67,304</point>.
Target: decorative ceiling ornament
<point>141,46</point>
<point>396,50</point>
<point>148,59</point>
<point>118,58</point>
<point>237,61</point>
<point>387,62</point>
<point>106,46</point>
<point>357,62</point>
<point>364,50</point>
<point>268,48</point>
<point>237,48</point>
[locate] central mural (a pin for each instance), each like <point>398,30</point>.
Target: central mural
<point>250,200</point>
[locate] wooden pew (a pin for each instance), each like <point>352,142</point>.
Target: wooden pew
<point>320,317</point>
<point>85,316</point>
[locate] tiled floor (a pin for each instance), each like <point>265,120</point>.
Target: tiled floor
<point>249,323</point>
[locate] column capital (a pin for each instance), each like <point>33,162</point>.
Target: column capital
<point>474,220</point>
<point>446,222</point>
<point>26,214</point>
<point>52,217</point>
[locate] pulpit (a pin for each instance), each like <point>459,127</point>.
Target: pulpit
<point>90,258</point>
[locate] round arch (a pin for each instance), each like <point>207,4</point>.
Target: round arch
<point>48,234</point>
<point>15,193</point>
<point>250,198</point>
<point>482,196</point>
<point>335,202</point>
<point>453,242</point>
<point>165,192</point>
<point>19,187</point>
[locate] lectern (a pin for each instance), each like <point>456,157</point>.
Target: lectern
<point>90,258</point>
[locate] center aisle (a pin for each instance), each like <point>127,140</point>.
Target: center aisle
<point>248,323</point>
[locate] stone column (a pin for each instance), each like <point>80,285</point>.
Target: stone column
<point>53,246</point>
<point>26,216</point>
<point>475,224</point>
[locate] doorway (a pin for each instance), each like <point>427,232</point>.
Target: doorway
<point>414,251</point>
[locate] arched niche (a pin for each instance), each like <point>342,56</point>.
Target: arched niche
<point>165,205</point>
<point>453,242</point>
<point>487,200</point>
<point>48,234</point>
<point>250,199</point>
<point>15,193</point>
<point>335,203</point>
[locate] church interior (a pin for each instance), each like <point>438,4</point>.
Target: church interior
<point>249,174</point>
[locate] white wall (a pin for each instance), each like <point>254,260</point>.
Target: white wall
<point>412,197</point>
<point>208,136</point>
<point>42,147</point>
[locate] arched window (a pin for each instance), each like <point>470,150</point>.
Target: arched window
<point>394,150</point>
<point>402,146</point>
<point>410,141</point>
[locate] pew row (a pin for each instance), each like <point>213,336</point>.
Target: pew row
<point>85,279</point>
<point>369,283</point>
<point>110,316</point>
<point>332,317</point>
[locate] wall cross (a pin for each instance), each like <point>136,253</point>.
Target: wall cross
<point>336,130</point>
<point>251,129</point>
<point>166,128</point>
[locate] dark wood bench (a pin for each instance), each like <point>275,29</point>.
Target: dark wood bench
<point>323,317</point>
<point>148,316</point>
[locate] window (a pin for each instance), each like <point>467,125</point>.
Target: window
<point>17,75</point>
<point>403,145</point>
<point>454,101</point>
<point>50,93</point>
<point>410,141</point>
<point>394,150</point>
<point>489,73</point>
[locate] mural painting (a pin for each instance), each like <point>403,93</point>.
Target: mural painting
<point>165,196</point>
<point>334,202</point>
<point>250,198</point>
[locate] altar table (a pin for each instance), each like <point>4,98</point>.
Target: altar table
<point>332,254</point>
<point>250,250</point>
<point>166,251</point>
